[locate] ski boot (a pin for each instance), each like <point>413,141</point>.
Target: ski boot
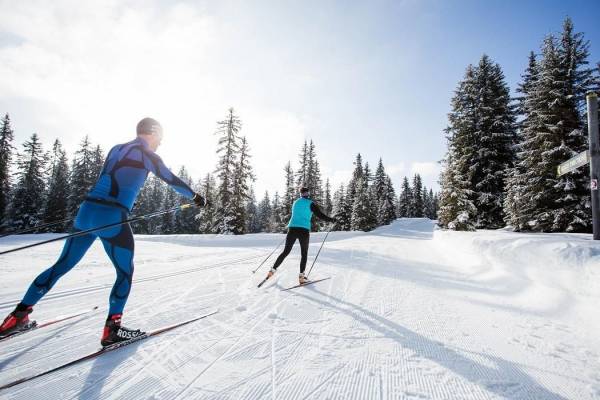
<point>302,279</point>
<point>270,273</point>
<point>115,333</point>
<point>17,322</point>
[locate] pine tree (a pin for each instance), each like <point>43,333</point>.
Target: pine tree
<point>168,224</point>
<point>357,175</point>
<point>185,220</point>
<point>275,223</point>
<point>288,198</point>
<point>228,147</point>
<point>265,212</point>
<point>142,206</point>
<point>417,206</point>
<point>405,200</point>
<point>342,210</point>
<point>242,177</point>
<point>362,208</point>
<point>56,206</point>
<point>97,163</point>
<point>253,223</point>
<point>28,199</point>
<point>379,186</point>
<point>6,154</point>
<point>302,171</point>
<point>158,190</point>
<point>492,155</point>
<point>516,208</point>
<point>207,214</point>
<point>83,175</point>
<point>327,202</point>
<point>552,135</point>
<point>457,211</point>
<point>387,207</point>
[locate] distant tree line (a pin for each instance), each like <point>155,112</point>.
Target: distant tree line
<point>503,153</point>
<point>39,187</point>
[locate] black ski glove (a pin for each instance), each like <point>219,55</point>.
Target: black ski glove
<point>199,200</point>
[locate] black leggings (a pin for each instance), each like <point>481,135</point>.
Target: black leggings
<point>303,235</point>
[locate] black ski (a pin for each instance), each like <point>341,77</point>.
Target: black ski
<point>106,349</point>
<point>307,283</point>
<point>34,325</point>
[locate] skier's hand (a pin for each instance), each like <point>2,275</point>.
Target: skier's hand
<point>199,200</point>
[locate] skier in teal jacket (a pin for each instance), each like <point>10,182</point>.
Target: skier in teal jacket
<point>299,228</point>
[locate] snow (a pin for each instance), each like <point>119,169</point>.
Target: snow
<point>410,312</point>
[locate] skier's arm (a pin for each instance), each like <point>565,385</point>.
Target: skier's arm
<point>155,164</point>
<point>317,211</point>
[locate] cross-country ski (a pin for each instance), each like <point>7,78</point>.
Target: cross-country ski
<point>310,282</point>
<point>33,325</point>
<point>107,349</point>
<point>383,200</point>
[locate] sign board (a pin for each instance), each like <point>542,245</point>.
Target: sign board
<point>579,160</point>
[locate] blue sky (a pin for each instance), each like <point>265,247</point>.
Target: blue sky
<point>368,76</point>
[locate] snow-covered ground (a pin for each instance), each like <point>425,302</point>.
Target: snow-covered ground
<point>409,313</point>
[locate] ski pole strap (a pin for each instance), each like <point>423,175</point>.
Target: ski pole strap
<point>100,228</point>
<point>319,252</point>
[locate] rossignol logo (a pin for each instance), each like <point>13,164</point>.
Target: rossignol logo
<point>126,334</point>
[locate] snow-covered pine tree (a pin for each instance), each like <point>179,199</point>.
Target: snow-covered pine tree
<point>357,174</point>
<point>342,211</point>
<point>314,182</point>
<point>28,198</point>
<point>168,225</point>
<point>387,207</point>
<point>97,163</point>
<point>457,210</point>
<point>227,149</point>
<point>275,222</point>
<point>517,210</point>
<point>185,220</point>
<point>362,208</point>
<point>56,207</point>
<point>289,196</point>
<point>492,154</point>
<point>253,223</point>
<point>379,186</point>
<point>83,175</point>
<point>207,214</point>
<point>417,206</point>
<point>405,200</point>
<point>302,171</point>
<point>242,178</point>
<point>554,134</point>
<point>265,214</point>
<point>6,154</point>
<point>327,201</point>
<point>157,198</point>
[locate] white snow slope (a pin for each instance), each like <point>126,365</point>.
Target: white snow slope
<point>410,312</point>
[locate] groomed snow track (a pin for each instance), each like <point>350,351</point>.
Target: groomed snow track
<point>409,313</point>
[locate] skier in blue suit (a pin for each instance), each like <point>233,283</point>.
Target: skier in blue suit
<point>110,200</point>
<point>299,229</point>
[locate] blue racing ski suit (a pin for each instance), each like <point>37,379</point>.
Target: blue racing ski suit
<point>110,200</point>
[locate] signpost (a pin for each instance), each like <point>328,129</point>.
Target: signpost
<point>592,109</point>
<point>579,160</point>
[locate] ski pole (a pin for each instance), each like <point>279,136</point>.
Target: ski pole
<point>100,228</point>
<point>269,256</point>
<point>319,252</point>
<point>35,228</point>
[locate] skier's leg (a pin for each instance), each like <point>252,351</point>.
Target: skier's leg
<point>120,249</point>
<point>72,252</point>
<point>289,243</point>
<point>304,239</point>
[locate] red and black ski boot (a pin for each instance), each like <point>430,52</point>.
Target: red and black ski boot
<point>17,322</point>
<point>115,333</point>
